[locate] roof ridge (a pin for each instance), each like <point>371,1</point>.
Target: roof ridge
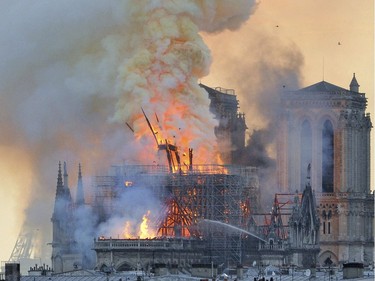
<point>323,86</point>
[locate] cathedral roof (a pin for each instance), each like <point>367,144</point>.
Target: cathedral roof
<point>324,87</point>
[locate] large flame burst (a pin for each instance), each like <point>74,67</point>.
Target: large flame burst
<point>165,59</point>
<point>162,78</point>
<point>145,230</point>
<point>141,229</point>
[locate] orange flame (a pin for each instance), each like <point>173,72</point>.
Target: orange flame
<point>164,82</point>
<point>128,230</point>
<point>143,230</point>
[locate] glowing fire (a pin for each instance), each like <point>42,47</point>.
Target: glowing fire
<point>145,232</point>
<point>128,183</point>
<point>141,230</point>
<point>162,77</point>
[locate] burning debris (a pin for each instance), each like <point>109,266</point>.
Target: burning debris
<point>171,150</point>
<point>162,72</point>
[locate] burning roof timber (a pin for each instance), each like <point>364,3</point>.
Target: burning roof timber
<point>213,192</point>
<point>236,181</point>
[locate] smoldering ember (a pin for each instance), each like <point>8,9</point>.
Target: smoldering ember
<point>194,199</point>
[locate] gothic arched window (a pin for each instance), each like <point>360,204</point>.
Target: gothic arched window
<point>306,151</point>
<point>327,157</point>
<point>326,216</point>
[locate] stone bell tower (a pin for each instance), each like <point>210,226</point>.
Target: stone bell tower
<point>327,126</point>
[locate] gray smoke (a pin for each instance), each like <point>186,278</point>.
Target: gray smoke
<point>276,69</point>
<point>63,78</point>
<point>129,210</point>
<point>271,66</point>
<point>124,220</point>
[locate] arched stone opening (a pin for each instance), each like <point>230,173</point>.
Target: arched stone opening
<point>327,156</point>
<point>125,267</point>
<point>306,151</point>
<point>328,259</point>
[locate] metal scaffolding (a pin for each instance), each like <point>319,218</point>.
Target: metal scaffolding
<point>24,247</point>
<point>222,195</point>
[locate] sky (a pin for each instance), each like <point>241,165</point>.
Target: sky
<point>295,44</point>
<point>332,40</point>
<point>283,42</point>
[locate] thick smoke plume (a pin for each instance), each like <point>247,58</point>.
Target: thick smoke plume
<point>72,72</point>
<point>271,66</point>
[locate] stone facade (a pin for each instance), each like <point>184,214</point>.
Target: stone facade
<point>65,252</point>
<point>231,128</point>
<point>327,126</point>
<point>300,245</point>
<point>147,254</point>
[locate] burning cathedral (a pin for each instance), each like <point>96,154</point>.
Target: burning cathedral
<point>322,211</point>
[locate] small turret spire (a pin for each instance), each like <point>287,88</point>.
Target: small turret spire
<point>59,178</point>
<point>308,178</point>
<point>80,199</point>
<point>354,86</point>
<point>65,176</point>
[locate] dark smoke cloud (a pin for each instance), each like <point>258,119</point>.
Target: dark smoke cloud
<point>255,152</point>
<point>270,66</point>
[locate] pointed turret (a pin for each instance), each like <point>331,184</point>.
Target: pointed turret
<point>61,220</point>
<point>59,190</point>
<point>56,230</point>
<point>354,86</point>
<point>65,176</point>
<point>67,196</point>
<point>59,186</point>
<point>80,199</point>
<point>58,206</point>
<point>63,197</point>
<point>308,177</point>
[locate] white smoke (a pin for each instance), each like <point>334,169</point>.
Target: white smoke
<point>70,68</point>
<point>128,210</point>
